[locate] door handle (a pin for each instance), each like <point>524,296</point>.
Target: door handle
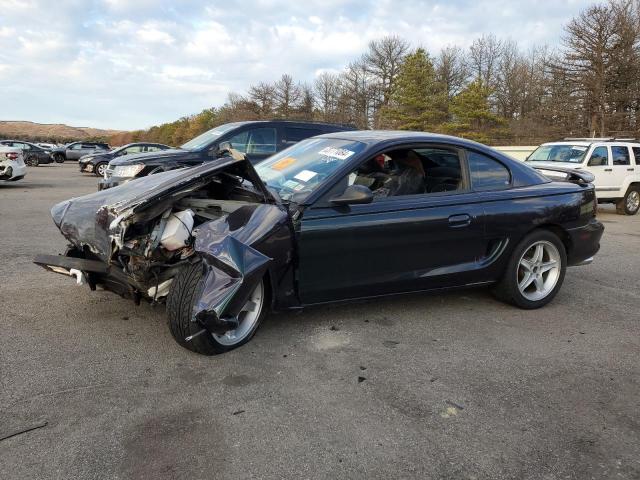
<point>608,169</point>
<point>457,221</point>
<point>631,169</point>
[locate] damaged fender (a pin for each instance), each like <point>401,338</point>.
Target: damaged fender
<point>232,268</point>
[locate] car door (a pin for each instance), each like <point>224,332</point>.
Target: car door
<point>599,164</point>
<point>394,244</point>
<point>620,165</point>
<point>74,152</point>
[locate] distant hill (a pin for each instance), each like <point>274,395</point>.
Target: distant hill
<point>50,131</point>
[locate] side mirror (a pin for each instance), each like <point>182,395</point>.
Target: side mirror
<point>353,195</point>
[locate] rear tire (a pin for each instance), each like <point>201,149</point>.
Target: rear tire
<point>32,161</point>
<point>59,158</point>
<point>630,203</point>
<point>530,281</point>
<point>185,290</point>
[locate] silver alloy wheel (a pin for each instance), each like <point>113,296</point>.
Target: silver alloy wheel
<point>247,317</point>
<point>633,201</point>
<point>102,167</point>
<point>539,270</point>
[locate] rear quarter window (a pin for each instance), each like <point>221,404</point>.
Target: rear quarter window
<point>486,173</point>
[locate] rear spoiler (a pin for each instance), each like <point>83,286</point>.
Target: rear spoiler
<point>571,175</point>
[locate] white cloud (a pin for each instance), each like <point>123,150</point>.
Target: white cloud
<point>132,64</point>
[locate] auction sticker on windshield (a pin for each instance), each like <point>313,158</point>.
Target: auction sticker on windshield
<point>339,153</point>
<point>305,175</point>
<point>284,163</point>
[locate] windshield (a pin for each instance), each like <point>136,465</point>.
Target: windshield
<point>559,153</point>
<point>302,168</point>
<point>208,137</point>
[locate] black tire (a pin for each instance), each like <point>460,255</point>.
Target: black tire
<point>507,288</point>
<point>98,167</point>
<point>626,206</point>
<point>185,290</point>
<point>59,158</point>
<point>32,161</point>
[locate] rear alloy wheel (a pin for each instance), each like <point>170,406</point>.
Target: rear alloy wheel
<point>630,204</point>
<point>535,272</point>
<point>32,161</point>
<point>100,169</point>
<point>59,158</point>
<point>185,291</point>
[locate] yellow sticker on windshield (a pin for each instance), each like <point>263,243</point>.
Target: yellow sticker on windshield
<point>284,163</point>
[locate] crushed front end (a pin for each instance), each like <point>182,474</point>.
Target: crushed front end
<point>133,240</point>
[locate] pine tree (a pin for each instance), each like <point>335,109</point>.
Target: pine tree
<point>472,116</point>
<point>418,100</point>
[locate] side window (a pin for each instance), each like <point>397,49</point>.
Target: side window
<point>599,157</point>
<point>255,141</point>
<point>296,134</point>
<point>620,155</point>
<point>486,173</point>
<point>636,153</point>
<point>134,149</point>
<point>401,172</point>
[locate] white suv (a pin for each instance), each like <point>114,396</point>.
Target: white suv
<point>615,165</point>
<point>12,165</point>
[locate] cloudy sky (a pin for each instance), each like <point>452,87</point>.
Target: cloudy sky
<point>135,63</point>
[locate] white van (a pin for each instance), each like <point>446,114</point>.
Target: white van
<point>614,163</point>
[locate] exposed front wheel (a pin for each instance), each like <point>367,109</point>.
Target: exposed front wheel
<point>100,169</point>
<point>630,204</point>
<point>185,291</point>
<point>59,158</point>
<point>535,271</point>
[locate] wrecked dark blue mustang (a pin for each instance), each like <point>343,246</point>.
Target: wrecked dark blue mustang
<point>342,216</point>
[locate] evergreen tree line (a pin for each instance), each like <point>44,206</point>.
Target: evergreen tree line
<point>493,92</point>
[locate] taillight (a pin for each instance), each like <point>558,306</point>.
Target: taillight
<point>12,156</point>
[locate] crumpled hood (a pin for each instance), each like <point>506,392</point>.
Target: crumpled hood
<point>92,221</point>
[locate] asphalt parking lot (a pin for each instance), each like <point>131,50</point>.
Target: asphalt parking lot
<point>454,385</point>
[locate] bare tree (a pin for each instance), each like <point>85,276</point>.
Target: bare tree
<point>451,70</point>
<point>287,94</point>
<point>357,98</point>
<point>327,92</point>
<point>263,94</point>
<point>484,55</point>
<point>382,61</point>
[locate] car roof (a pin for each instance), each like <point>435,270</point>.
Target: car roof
<point>296,123</point>
<point>20,141</point>
<point>586,143</point>
<point>371,137</point>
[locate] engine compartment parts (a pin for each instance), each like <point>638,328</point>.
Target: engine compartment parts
<point>177,230</point>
